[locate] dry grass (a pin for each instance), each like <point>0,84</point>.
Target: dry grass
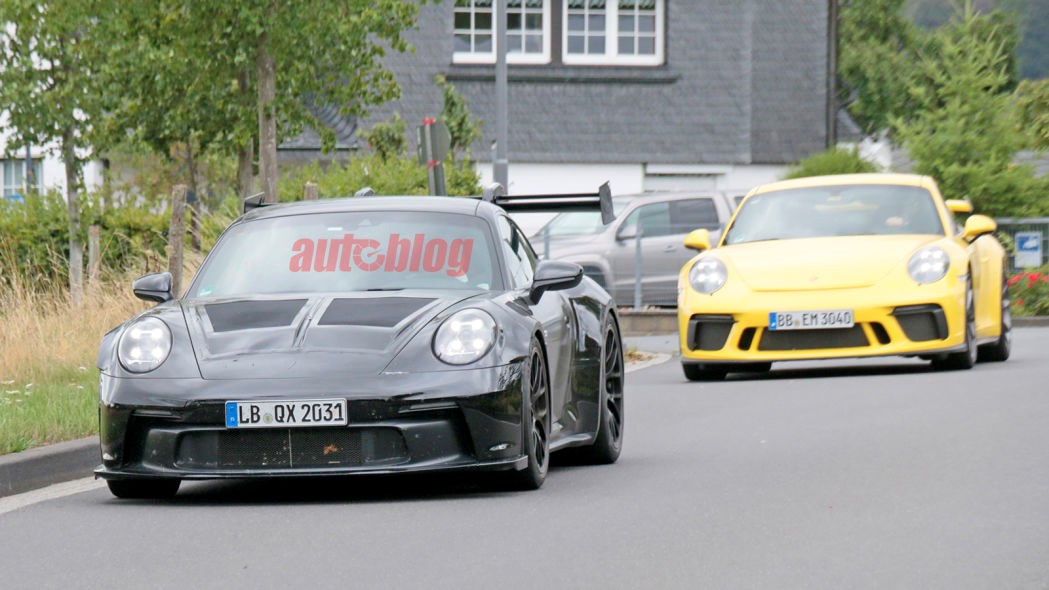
<point>48,348</point>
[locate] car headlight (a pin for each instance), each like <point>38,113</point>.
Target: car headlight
<point>464,337</point>
<point>144,345</point>
<point>707,275</point>
<point>928,265</point>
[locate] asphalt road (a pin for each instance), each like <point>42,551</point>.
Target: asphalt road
<point>872,474</point>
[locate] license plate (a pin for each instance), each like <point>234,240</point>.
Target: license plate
<point>816,319</point>
<point>284,414</point>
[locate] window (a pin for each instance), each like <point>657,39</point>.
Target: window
<point>693,214</point>
<point>613,32</point>
<point>527,31</point>
<point>654,220</point>
<point>520,260</point>
<point>14,177</point>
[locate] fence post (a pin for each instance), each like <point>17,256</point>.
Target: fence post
<point>92,256</point>
<point>177,237</point>
<point>309,193</point>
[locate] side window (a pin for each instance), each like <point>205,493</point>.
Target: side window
<point>652,220</point>
<point>691,214</point>
<point>520,260</point>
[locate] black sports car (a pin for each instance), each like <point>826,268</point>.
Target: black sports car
<point>364,335</point>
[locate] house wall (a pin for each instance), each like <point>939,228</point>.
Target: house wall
<point>54,173</point>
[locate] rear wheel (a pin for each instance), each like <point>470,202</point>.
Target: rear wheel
<point>1000,349</point>
<point>704,371</point>
<point>143,488</point>
<point>536,399</point>
<point>609,441</point>
<point>965,359</point>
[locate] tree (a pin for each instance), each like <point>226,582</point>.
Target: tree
<point>1033,110</point>
<point>832,161</point>
<point>963,132</point>
<point>463,129</point>
<point>877,47</point>
<point>279,58</point>
<point>49,92</point>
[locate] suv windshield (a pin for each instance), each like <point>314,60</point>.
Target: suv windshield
<point>579,223</point>
<point>851,210</point>
<point>354,251</point>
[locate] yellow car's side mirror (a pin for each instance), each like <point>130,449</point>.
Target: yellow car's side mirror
<point>698,239</point>
<point>959,206</point>
<point>978,225</point>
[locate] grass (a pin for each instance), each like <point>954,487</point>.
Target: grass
<point>48,348</point>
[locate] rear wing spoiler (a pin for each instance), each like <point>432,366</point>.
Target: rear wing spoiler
<point>599,201</point>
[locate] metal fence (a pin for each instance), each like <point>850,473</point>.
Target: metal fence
<point>1027,240</point>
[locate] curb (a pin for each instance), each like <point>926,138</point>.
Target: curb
<point>43,466</point>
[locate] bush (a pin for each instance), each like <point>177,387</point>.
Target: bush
<point>390,176</point>
<point>1029,292</point>
<point>832,161</point>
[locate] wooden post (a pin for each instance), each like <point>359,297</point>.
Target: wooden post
<point>177,237</point>
<point>92,256</point>
<point>310,192</point>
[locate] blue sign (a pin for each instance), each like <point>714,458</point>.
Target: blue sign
<point>1028,249</point>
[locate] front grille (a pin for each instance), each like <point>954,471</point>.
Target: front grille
<point>709,331</point>
<point>922,322</point>
<point>813,339</point>
<point>291,448</point>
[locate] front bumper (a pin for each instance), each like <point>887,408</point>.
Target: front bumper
<point>469,419</point>
<point>927,320</point>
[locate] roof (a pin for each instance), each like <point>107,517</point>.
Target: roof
<point>461,205</point>
<point>845,179</point>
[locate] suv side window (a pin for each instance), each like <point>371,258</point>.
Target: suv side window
<point>691,214</point>
<point>653,220</point>
<point>520,260</point>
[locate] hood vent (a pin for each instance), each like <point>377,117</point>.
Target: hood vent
<point>245,315</point>
<point>380,312</point>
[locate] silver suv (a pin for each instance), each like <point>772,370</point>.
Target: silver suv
<point>655,222</point>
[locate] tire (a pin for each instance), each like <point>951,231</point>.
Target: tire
<point>966,359</point>
<point>143,489</point>
<point>704,372</point>
<point>535,393</point>
<point>609,440</point>
<point>999,351</point>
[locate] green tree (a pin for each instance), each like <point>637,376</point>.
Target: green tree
<point>387,138</point>
<point>963,132</point>
<point>276,57</point>
<point>462,127</point>
<point>831,161</point>
<point>49,92</point>
<point>1032,98</point>
<point>877,47</point>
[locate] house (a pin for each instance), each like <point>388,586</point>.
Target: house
<point>46,170</point>
<point>648,94</point>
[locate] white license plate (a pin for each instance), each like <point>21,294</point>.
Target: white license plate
<point>817,319</point>
<point>285,414</point>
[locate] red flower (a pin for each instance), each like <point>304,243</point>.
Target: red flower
<point>1019,302</point>
<point>1013,280</point>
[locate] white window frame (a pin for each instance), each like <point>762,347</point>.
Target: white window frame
<point>8,186</point>
<point>611,55</point>
<point>474,57</point>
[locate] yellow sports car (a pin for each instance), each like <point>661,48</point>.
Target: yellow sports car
<point>839,267</point>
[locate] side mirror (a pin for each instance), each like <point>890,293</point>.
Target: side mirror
<point>976,226</point>
<point>698,239</point>
<point>553,275</point>
<point>153,287</point>
<point>959,206</point>
<point>628,232</point>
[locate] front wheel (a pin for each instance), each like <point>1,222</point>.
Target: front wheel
<point>535,397</point>
<point>966,359</point>
<point>1000,349</point>
<point>609,441</point>
<point>143,489</point>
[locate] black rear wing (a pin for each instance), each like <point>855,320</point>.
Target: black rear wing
<point>553,203</point>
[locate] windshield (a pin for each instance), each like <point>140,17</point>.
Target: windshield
<point>579,223</point>
<point>851,210</point>
<point>356,251</point>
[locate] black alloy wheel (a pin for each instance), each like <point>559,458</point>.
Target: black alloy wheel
<point>999,350</point>
<point>536,398</point>
<point>143,489</point>
<point>966,359</point>
<point>609,440</point>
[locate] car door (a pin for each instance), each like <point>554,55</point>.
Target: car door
<point>553,311</point>
<point>663,226</point>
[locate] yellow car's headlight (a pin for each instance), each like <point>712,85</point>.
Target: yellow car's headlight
<point>928,265</point>
<point>707,275</point>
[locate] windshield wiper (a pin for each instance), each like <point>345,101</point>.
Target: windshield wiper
<point>385,289</point>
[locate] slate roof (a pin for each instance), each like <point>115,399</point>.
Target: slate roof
<point>744,82</point>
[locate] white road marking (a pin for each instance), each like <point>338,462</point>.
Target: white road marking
<point>53,492</point>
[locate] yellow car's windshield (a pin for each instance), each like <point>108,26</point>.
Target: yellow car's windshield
<point>850,210</point>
